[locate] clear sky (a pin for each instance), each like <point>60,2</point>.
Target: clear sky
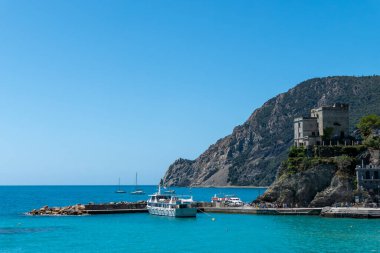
<point>91,91</point>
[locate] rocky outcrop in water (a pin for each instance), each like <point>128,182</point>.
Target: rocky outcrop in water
<point>252,154</point>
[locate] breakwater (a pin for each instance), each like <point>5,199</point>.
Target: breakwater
<point>206,207</point>
<point>140,207</point>
<point>91,208</point>
<point>110,208</point>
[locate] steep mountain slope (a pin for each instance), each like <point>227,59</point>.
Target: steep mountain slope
<point>253,152</point>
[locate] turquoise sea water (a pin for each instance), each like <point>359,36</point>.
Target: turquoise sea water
<point>145,233</point>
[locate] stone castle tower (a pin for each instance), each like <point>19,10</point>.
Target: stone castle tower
<point>326,121</point>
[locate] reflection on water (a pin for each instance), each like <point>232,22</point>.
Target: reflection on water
<point>21,230</point>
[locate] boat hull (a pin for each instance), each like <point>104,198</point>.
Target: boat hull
<point>173,212</point>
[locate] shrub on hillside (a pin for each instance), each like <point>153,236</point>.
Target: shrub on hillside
<point>367,124</point>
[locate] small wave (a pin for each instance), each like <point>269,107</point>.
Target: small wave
<point>19,230</point>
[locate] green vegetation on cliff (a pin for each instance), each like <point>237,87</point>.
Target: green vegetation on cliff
<point>301,159</point>
<point>368,124</point>
<point>369,127</point>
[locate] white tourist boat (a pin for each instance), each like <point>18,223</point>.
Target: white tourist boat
<point>165,204</point>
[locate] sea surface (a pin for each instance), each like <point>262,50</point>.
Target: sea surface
<point>146,233</point>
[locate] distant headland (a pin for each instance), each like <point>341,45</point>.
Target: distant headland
<point>252,154</point>
<point>255,153</point>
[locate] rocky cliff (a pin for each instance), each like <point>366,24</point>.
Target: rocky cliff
<point>316,181</point>
<point>320,176</point>
<point>300,188</point>
<point>251,155</point>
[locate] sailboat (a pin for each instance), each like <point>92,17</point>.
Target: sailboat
<point>119,190</point>
<point>137,191</point>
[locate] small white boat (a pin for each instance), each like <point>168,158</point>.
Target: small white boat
<point>228,200</point>
<point>165,204</point>
<point>138,192</point>
<point>234,201</point>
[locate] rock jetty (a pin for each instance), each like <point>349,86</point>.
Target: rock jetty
<point>77,209</point>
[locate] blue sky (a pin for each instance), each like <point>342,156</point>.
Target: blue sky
<point>95,90</point>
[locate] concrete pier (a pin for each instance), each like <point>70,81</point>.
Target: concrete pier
<point>351,212</point>
<point>264,211</point>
